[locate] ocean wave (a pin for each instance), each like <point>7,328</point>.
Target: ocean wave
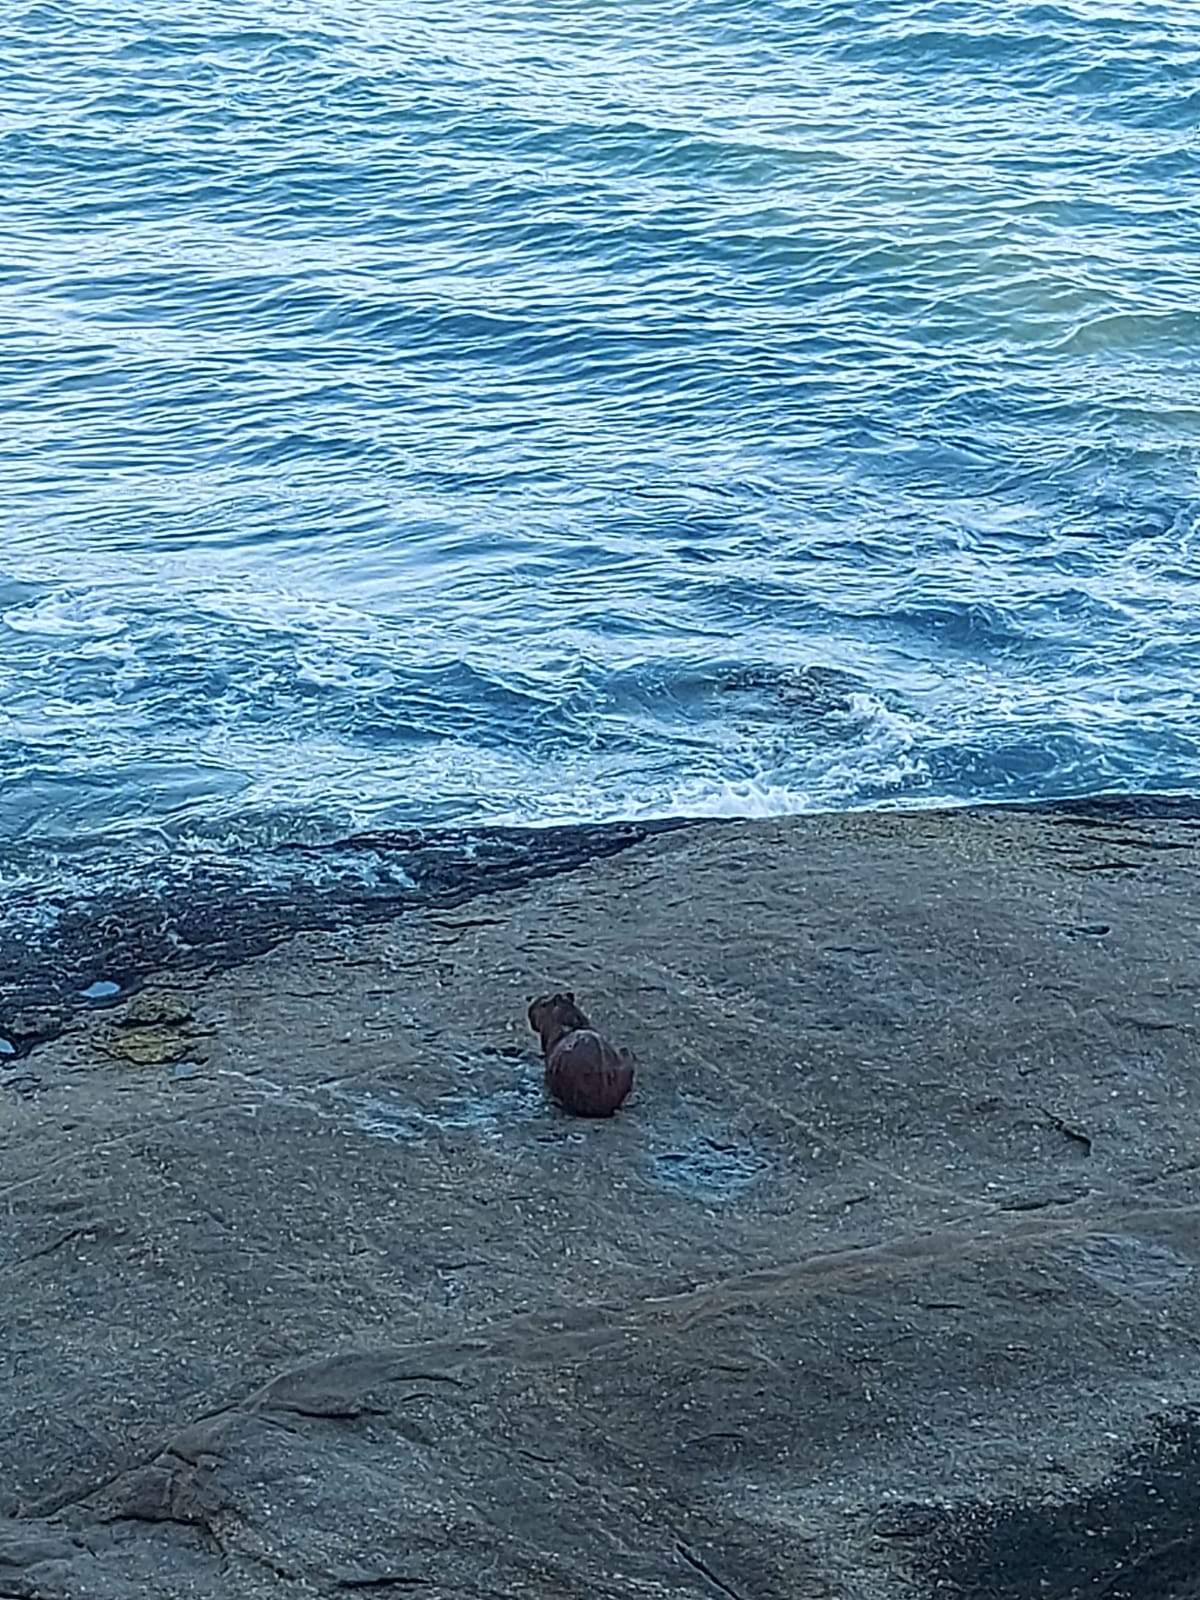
<point>678,407</point>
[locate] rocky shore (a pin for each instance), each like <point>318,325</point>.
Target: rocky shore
<point>885,1283</point>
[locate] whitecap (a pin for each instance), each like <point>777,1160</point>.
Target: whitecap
<point>68,614</point>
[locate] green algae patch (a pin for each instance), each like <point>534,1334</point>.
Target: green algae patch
<point>147,1047</point>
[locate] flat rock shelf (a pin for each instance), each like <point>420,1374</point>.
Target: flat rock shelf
<point>885,1283</point>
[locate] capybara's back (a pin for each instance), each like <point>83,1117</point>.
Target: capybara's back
<point>587,1075</point>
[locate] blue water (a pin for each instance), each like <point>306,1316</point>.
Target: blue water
<point>429,412</point>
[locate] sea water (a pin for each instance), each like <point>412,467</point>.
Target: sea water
<point>431,413</point>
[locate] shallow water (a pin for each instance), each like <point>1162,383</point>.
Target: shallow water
<point>441,414</point>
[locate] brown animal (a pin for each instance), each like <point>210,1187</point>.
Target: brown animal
<point>585,1073</point>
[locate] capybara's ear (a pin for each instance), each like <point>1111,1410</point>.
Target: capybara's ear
<point>569,997</point>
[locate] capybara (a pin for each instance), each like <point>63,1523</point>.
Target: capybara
<point>586,1074</point>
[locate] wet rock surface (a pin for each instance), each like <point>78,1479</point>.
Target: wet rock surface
<point>212,913</point>
<point>885,1282</point>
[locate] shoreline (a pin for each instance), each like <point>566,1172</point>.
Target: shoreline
<point>882,1284</point>
<point>223,921</point>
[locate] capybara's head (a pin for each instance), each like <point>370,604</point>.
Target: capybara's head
<point>555,1014</point>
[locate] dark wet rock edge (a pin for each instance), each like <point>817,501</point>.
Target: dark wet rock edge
<point>226,918</point>
<point>1116,808</point>
<point>1134,1536</point>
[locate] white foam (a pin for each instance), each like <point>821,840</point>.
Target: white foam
<point>67,615</point>
<point>738,798</point>
<point>878,755</point>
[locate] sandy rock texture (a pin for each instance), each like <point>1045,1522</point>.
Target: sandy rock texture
<point>885,1282</point>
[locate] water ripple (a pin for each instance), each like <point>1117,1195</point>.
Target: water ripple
<point>414,415</point>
